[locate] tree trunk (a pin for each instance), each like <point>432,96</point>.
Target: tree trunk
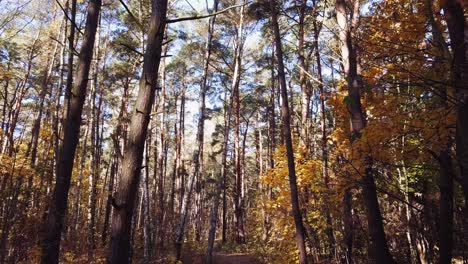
<point>95,151</point>
<point>58,207</point>
<point>71,56</point>
<point>197,158</point>
<point>456,23</point>
<point>348,226</point>
<point>221,185</point>
<point>147,229</point>
<point>18,97</point>
<point>446,173</point>
<point>42,95</point>
<point>203,90</point>
<point>179,233</point>
<point>378,243</point>
<point>57,111</point>
<point>446,208</point>
<point>238,201</point>
<point>175,163</point>
<point>305,85</point>
<point>161,165</point>
<point>300,230</point>
<point>181,144</point>
<point>227,123</point>
<point>110,188</point>
<point>83,155</point>
<point>213,221</point>
<point>124,200</point>
<point>323,124</point>
<point>116,136</point>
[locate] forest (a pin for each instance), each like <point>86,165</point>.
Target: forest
<point>234,131</point>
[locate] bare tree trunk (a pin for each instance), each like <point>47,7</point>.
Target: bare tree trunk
<point>147,230</point>
<point>271,140</point>
<point>271,115</point>
<point>58,207</point>
<point>33,144</point>
<point>378,243</point>
<point>83,155</point>
<point>181,144</point>
<point>95,150</point>
<point>227,123</point>
<point>161,165</point>
<point>456,23</point>
<point>179,234</point>
<point>300,230</point>
<point>116,142</point>
<point>348,225</point>
<point>323,121</point>
<point>197,158</point>
<point>446,208</point>
<point>42,95</point>
<point>213,221</point>
<point>57,111</point>
<point>18,97</point>
<point>5,105</point>
<point>124,200</point>
<point>446,172</point>
<point>175,164</point>
<point>203,90</point>
<point>305,85</point>
<point>238,201</point>
<point>71,56</point>
<point>110,188</point>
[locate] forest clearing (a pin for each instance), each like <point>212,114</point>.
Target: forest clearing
<point>234,131</point>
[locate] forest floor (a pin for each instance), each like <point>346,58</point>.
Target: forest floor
<point>236,258</point>
<point>221,258</point>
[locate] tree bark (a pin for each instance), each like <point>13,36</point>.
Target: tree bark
<point>83,155</point>
<point>213,221</point>
<point>161,164</point>
<point>124,200</point>
<point>58,207</point>
<point>324,139</point>
<point>147,227</point>
<point>446,208</point>
<point>71,56</point>
<point>227,122</point>
<point>95,151</point>
<point>300,230</point>
<point>456,23</point>
<point>42,95</point>
<point>446,173</point>
<point>378,243</point>
<point>305,85</point>
<point>238,201</point>
<point>17,101</point>
<point>116,138</point>
<point>197,157</point>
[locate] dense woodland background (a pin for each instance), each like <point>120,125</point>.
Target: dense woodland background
<point>310,131</point>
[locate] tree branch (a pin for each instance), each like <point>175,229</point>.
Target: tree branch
<point>131,15</point>
<point>68,18</point>
<point>175,20</point>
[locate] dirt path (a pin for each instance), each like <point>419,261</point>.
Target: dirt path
<point>222,258</point>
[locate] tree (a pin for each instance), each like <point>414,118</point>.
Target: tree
<point>300,230</point>
<point>367,166</point>
<point>57,209</point>
<point>378,242</point>
<point>453,15</point>
<point>124,198</point>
